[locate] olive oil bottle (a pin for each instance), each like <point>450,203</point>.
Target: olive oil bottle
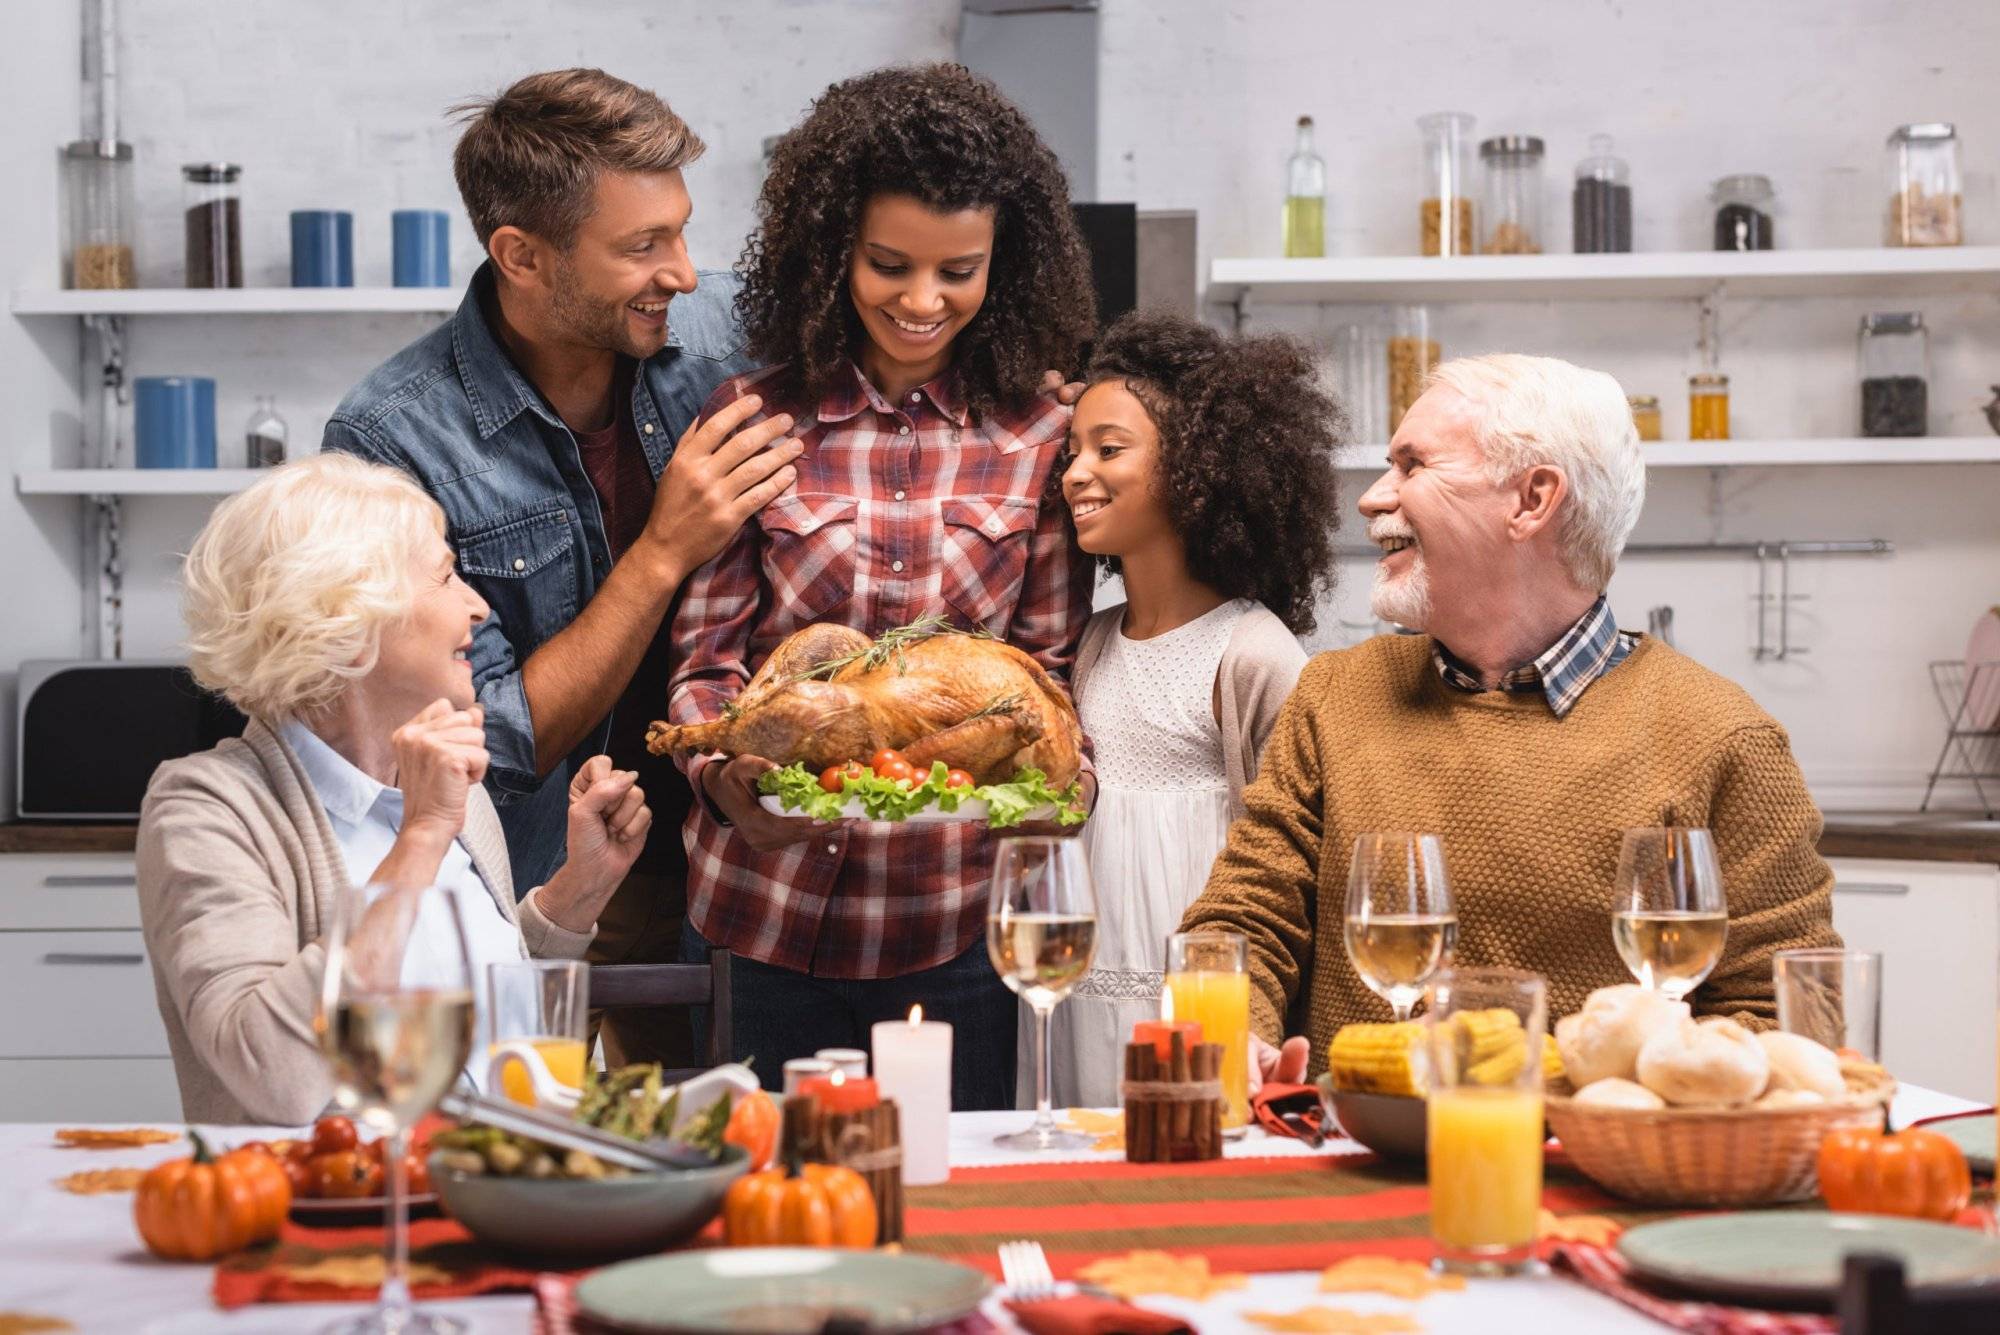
<point>1305,198</point>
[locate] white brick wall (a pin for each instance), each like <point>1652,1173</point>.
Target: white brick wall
<point>342,106</point>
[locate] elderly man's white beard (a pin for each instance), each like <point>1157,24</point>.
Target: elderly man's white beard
<point>1404,599</point>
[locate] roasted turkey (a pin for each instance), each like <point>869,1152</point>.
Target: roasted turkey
<point>828,694</point>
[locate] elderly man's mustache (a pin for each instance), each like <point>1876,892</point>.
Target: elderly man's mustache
<point>1382,528</point>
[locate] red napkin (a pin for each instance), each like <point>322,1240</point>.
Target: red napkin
<point>1603,1269</point>
<point>265,1274</point>
<point>1270,1104</point>
<point>1087,1314</point>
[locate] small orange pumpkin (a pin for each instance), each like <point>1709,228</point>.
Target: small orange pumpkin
<point>800,1205</point>
<point>198,1208</point>
<point>1916,1173</point>
<point>753,1124</point>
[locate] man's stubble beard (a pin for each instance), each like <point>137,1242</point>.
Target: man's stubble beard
<point>594,324</point>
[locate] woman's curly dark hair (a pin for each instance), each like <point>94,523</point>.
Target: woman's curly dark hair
<point>949,138</point>
<point>1247,441</point>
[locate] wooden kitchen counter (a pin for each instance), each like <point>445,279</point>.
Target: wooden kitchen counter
<point>63,837</point>
<point>1848,835</point>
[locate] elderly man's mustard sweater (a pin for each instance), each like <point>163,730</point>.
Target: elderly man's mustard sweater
<point>1531,809</point>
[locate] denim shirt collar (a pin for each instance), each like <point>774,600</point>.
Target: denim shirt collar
<point>495,387</point>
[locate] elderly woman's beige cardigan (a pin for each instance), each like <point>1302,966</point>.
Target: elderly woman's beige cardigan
<point>238,869</point>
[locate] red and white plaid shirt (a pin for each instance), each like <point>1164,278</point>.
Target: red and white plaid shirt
<point>901,511</point>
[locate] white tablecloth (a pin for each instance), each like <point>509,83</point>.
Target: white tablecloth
<point>78,1258</point>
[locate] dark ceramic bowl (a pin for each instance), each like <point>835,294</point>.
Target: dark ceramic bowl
<point>1392,1125</point>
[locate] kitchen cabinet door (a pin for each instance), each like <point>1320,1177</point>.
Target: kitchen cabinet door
<point>1937,925</point>
<point>68,891</point>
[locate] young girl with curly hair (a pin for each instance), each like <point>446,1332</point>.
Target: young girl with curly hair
<point>1201,470</point>
<point>914,275</point>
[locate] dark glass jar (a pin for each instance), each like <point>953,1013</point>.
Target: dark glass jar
<point>1743,207</point>
<point>1601,202</point>
<point>213,198</point>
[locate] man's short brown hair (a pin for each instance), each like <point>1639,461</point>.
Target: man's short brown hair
<point>529,158</point>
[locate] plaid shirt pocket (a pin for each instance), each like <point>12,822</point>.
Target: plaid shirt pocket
<point>809,557</point>
<point>984,556</point>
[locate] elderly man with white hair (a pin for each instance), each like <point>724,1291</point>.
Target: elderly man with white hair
<point>1519,723</point>
<point>324,603</point>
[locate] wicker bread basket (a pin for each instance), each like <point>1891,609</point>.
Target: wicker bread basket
<point>1711,1156</point>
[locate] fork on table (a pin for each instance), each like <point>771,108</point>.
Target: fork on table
<point>1024,1268</point>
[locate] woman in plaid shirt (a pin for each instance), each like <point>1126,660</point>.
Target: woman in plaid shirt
<point>914,274</point>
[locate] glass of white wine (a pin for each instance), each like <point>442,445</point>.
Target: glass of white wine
<point>396,1023</point>
<point>1668,918</point>
<point>1041,929</point>
<point>1401,925</point>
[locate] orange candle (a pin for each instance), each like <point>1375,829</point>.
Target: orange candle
<point>1160,1033</point>
<point>837,1093</point>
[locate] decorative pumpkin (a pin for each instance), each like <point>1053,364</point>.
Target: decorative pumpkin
<point>800,1205</point>
<point>753,1124</point>
<point>202,1207</point>
<point>1916,1173</point>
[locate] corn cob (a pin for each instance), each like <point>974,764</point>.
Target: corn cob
<point>1376,1058</point>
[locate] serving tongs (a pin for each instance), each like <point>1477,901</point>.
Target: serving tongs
<point>560,1129</point>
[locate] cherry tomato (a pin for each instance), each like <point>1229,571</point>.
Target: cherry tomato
<point>300,1150</point>
<point>958,778</point>
<point>886,757</point>
<point>343,1175</point>
<point>374,1149</point>
<point>418,1173</point>
<point>300,1174</point>
<point>262,1147</point>
<point>833,776</point>
<point>332,1135</point>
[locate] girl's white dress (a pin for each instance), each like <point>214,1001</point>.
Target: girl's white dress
<point>1162,815</point>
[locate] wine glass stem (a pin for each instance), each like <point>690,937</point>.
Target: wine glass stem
<point>395,1301</point>
<point>1045,1118</point>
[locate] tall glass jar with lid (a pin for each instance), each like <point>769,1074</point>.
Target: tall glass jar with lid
<point>1445,215</point>
<point>212,194</point>
<point>1601,202</point>
<point>1895,374</point>
<point>1511,221</point>
<point>97,194</point>
<point>1926,199</point>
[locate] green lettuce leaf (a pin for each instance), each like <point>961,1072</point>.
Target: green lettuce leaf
<point>1008,804</point>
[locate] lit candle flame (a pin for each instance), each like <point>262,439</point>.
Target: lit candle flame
<point>837,1077</point>
<point>1167,1004</point>
<point>916,1015</point>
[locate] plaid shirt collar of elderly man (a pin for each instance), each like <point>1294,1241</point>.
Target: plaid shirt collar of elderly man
<point>1515,721</point>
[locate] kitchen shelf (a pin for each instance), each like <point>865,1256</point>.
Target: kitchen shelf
<point>1873,272</point>
<point>239,301</point>
<point>135,481</point>
<point>1772,453</point>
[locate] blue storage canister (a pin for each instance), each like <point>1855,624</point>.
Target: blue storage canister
<point>322,248</point>
<point>422,247</point>
<point>174,421</point>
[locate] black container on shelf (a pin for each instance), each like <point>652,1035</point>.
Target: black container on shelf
<point>1743,207</point>
<point>1601,202</point>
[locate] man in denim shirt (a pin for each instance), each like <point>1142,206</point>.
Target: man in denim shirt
<point>552,420</point>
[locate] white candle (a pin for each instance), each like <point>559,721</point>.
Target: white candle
<point>851,1060</point>
<point>913,1067</point>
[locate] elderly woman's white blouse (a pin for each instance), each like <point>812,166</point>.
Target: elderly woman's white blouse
<point>365,817</point>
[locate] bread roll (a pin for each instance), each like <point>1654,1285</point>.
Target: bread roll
<point>1710,1062</point>
<point>1790,1098</point>
<point>1616,1093</point>
<point>1602,1041</point>
<point>1799,1063</point>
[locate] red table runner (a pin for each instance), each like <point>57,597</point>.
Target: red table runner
<point>1242,1214</point>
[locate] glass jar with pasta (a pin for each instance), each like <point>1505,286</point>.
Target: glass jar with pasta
<point>1413,355</point>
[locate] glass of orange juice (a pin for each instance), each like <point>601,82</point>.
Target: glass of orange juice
<point>1485,1114</point>
<point>546,1004</point>
<point>1209,980</point>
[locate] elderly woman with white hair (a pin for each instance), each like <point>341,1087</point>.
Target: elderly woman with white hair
<point>1519,723</point>
<point>324,604</point>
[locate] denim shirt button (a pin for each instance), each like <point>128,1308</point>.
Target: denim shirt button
<point>648,428</point>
